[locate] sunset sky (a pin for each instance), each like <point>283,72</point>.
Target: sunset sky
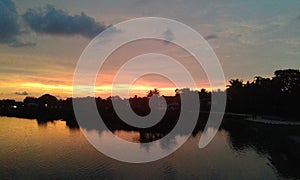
<point>38,56</point>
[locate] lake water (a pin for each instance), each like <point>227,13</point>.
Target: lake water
<point>55,150</point>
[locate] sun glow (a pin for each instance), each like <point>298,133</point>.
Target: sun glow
<point>63,91</point>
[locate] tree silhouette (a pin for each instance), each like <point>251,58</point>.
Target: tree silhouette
<point>275,96</point>
<point>155,91</point>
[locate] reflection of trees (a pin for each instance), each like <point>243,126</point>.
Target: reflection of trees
<point>168,143</point>
<point>168,171</point>
<point>42,123</point>
<point>272,141</point>
<point>73,125</point>
<point>146,137</point>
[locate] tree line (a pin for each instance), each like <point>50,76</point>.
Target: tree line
<point>278,95</point>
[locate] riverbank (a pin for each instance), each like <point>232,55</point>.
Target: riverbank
<point>274,120</point>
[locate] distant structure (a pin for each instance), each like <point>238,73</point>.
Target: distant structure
<point>47,101</point>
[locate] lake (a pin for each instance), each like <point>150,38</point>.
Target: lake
<point>57,150</point>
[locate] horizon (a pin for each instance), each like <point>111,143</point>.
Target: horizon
<point>140,91</point>
<point>143,91</point>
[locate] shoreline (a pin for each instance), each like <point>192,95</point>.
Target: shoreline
<point>265,119</point>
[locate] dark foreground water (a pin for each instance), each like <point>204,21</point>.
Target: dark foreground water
<point>53,150</point>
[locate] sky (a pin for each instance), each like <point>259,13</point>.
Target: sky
<point>41,41</point>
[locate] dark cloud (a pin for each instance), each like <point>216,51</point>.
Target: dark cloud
<point>298,18</point>
<point>54,21</point>
<point>22,93</point>
<point>18,44</point>
<point>48,20</point>
<point>211,36</point>
<point>9,27</point>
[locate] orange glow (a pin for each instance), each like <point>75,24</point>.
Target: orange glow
<point>38,75</point>
<point>131,136</point>
<point>139,88</point>
<point>46,86</point>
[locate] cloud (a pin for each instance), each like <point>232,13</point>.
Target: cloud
<point>211,36</point>
<point>298,18</point>
<point>50,20</point>
<point>18,44</point>
<point>24,93</point>
<point>9,27</point>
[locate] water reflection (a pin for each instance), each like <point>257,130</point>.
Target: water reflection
<point>72,125</point>
<point>58,149</point>
<point>281,144</point>
<point>43,123</point>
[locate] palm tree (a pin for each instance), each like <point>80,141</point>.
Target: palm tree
<point>153,92</point>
